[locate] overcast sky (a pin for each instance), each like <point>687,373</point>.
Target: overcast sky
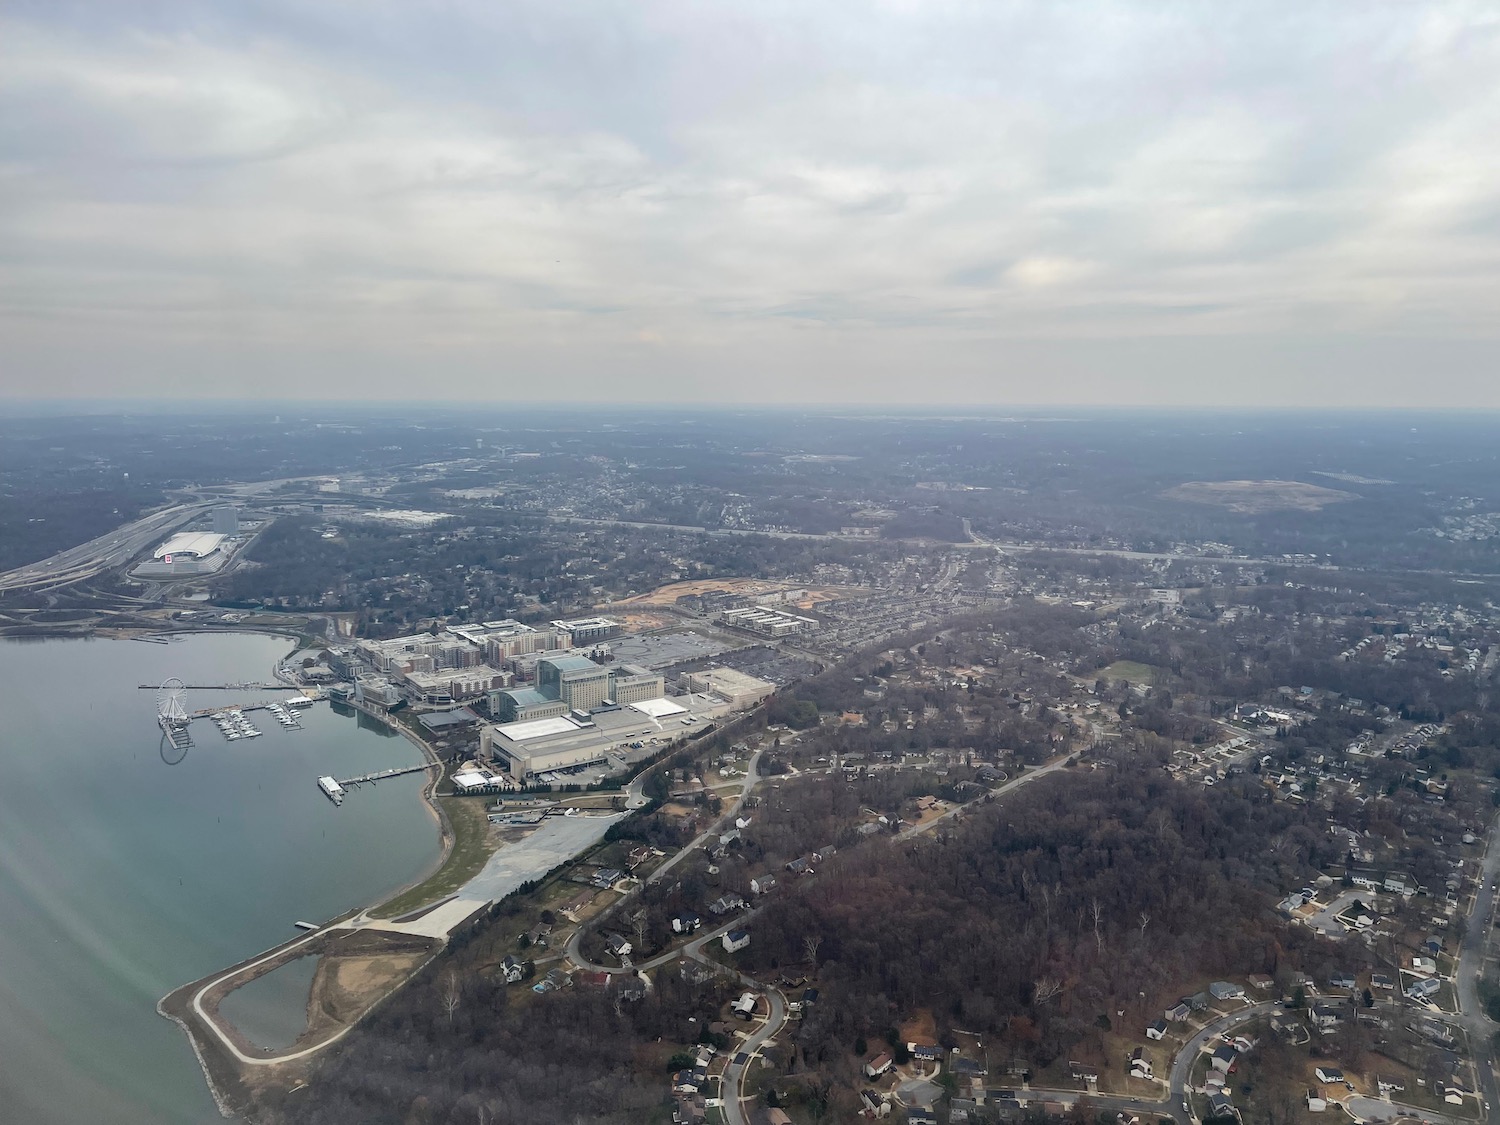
<point>1062,202</point>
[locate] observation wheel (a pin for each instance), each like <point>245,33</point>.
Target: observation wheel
<point>171,708</point>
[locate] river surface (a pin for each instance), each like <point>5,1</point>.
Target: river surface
<point>123,876</point>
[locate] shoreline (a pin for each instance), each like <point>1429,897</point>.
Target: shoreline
<point>447,836</point>
<point>222,1072</point>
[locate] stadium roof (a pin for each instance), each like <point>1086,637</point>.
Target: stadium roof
<point>197,544</point>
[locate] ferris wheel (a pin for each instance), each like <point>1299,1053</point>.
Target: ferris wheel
<point>169,701</point>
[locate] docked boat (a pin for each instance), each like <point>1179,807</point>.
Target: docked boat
<point>331,789</point>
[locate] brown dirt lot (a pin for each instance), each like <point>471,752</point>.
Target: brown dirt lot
<point>921,1028</point>
<point>638,622</point>
<point>1256,497</point>
<point>345,987</point>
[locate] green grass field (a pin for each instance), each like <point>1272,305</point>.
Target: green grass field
<point>1131,670</point>
<point>470,850</point>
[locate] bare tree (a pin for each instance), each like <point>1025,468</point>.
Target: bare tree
<point>1098,914</point>
<point>450,997</point>
<point>638,925</point>
<point>810,943</point>
<point>1045,990</point>
<point>1144,920</point>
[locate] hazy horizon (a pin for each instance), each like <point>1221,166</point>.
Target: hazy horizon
<point>1240,205</point>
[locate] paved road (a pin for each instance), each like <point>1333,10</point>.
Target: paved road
<point>1025,779</point>
<point>1471,958</point>
<point>574,947</point>
<point>114,548</point>
<point>1182,1065</point>
<point>732,1085</point>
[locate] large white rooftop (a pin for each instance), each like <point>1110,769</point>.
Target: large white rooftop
<point>195,544</point>
<point>536,728</point>
<point>658,708</point>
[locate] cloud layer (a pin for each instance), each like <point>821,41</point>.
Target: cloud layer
<point>1136,202</point>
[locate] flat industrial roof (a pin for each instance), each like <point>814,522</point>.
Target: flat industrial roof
<point>537,728</point>
<point>197,543</point>
<point>658,708</point>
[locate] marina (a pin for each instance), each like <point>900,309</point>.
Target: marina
<point>336,790</point>
<point>192,862</point>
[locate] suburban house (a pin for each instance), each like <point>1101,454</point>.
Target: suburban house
<point>735,940</point>
<point>1381,980</point>
<point>512,969</point>
<point>1220,1106</point>
<point>1260,981</point>
<point>1325,1017</point>
<point>1157,1030</point>
<point>617,944</point>
<point>762,884</point>
<point>878,1065</point>
<point>1223,1058</point>
<point>1140,1065</point>
<point>1424,989</point>
<point>727,903</point>
<point>688,1081</point>
<point>1223,990</point>
<point>965,1067</point>
<point>1316,1102</point>
<point>1329,1074</point>
<point>686,922</point>
<point>1341,979</point>
<point>1178,1012</point>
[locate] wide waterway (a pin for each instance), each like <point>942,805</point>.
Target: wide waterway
<point>122,877</point>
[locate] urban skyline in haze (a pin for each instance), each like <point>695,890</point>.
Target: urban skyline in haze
<point>1234,205</point>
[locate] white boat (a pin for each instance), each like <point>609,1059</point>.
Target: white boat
<point>331,789</point>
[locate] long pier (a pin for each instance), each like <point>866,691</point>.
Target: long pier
<point>207,711</point>
<point>372,778</point>
<point>247,686</point>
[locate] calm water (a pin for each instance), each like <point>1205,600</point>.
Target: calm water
<point>272,1009</point>
<point>122,877</point>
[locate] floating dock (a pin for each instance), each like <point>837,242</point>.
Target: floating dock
<point>372,778</point>
<point>177,733</point>
<point>332,790</point>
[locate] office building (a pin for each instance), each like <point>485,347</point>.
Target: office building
<point>586,630</point>
<point>630,683</point>
<point>576,680</point>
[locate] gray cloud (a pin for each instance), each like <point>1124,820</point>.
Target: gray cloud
<point>964,202</point>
